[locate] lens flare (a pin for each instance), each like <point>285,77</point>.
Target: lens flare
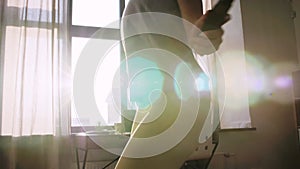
<point>184,81</point>
<point>146,78</point>
<point>283,82</point>
<point>256,77</point>
<point>202,82</point>
<point>282,74</point>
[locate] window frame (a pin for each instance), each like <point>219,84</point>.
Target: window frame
<point>2,43</point>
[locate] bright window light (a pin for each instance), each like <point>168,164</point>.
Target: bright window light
<point>105,84</point>
<point>95,13</point>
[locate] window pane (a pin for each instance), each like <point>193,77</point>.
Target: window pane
<point>107,87</point>
<point>107,70</point>
<point>41,5</point>
<point>27,83</point>
<point>77,46</point>
<point>96,13</point>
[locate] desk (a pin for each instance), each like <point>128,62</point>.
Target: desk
<point>115,143</point>
<point>106,140</point>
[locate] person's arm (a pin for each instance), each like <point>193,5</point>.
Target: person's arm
<point>205,42</point>
<point>191,10</point>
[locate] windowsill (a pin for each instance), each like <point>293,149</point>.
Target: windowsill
<point>238,129</point>
<point>82,129</point>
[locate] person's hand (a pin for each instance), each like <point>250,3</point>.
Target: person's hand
<point>206,42</point>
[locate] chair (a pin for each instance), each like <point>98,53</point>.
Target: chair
<point>89,141</point>
<point>205,151</point>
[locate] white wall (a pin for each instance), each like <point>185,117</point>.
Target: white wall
<point>296,8</point>
<point>270,40</point>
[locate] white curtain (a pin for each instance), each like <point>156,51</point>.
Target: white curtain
<point>228,65</point>
<point>35,62</point>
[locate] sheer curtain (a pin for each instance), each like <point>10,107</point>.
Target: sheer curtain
<point>35,76</point>
<point>36,68</point>
<point>228,65</point>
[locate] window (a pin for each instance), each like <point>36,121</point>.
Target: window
<point>92,15</point>
<point>89,16</point>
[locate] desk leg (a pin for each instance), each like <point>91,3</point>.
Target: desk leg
<point>84,160</point>
<point>77,159</point>
<point>107,165</point>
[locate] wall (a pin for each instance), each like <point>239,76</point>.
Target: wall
<point>296,8</point>
<point>36,152</point>
<point>270,43</point>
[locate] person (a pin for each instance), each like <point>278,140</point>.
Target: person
<point>160,52</point>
